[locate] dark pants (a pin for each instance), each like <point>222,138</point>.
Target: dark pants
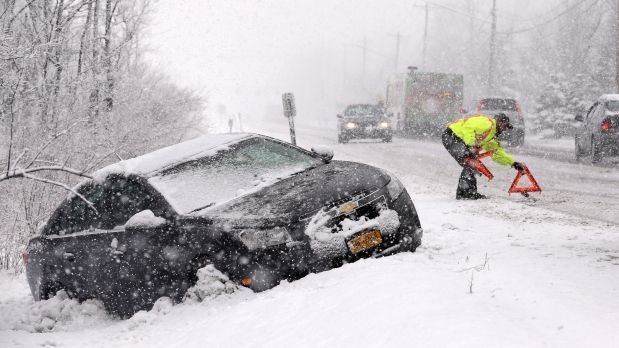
<point>467,185</point>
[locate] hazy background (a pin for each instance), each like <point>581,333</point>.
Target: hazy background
<point>241,55</point>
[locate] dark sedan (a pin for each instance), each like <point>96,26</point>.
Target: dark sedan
<point>598,132</point>
<point>361,121</point>
<point>260,210</point>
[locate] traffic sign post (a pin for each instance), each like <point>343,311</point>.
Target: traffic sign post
<point>290,111</point>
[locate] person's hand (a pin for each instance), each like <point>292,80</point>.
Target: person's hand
<point>518,166</point>
<point>471,153</point>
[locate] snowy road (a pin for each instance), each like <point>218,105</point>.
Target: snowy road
<point>502,272</point>
<point>579,189</point>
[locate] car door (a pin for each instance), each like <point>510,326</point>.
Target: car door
<point>580,130</point>
<point>587,127</point>
<point>133,257</point>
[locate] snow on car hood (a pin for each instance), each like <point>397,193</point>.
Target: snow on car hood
<point>304,194</point>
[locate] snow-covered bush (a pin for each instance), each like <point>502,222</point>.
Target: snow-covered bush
<point>74,93</point>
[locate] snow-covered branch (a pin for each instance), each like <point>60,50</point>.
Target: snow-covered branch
<point>24,172</point>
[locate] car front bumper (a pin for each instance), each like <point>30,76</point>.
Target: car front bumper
<point>361,132</point>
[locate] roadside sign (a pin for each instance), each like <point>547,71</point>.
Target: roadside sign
<point>289,108</point>
<point>290,111</point>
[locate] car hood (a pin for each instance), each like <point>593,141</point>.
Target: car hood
<point>301,195</point>
<point>365,120</point>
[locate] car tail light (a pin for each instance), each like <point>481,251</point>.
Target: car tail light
<point>25,257</point>
<point>518,108</point>
<point>606,125</point>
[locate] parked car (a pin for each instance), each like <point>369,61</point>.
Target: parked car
<point>598,133</point>
<point>364,121</point>
<point>511,108</point>
<point>260,210</point>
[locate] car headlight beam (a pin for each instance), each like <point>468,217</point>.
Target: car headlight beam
<point>384,125</point>
<point>351,125</point>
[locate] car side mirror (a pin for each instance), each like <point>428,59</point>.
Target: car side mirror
<point>325,152</point>
<point>579,118</point>
<point>145,219</point>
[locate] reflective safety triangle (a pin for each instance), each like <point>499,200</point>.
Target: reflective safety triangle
<point>479,166</point>
<point>533,186</point>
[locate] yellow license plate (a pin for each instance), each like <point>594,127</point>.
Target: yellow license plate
<point>365,241</point>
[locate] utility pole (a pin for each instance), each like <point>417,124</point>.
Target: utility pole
<point>491,63</point>
<point>425,39</point>
<point>425,34</point>
<point>397,50</point>
<point>365,53</point>
<point>617,44</point>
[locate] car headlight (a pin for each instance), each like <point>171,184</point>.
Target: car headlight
<point>394,187</point>
<point>256,239</point>
<point>384,125</point>
<point>351,125</point>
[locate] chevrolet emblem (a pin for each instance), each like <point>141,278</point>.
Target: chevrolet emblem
<point>348,207</point>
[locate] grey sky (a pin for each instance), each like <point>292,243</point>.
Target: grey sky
<point>244,54</point>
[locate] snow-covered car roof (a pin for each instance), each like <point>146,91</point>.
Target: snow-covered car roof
<point>161,159</point>
<point>607,97</point>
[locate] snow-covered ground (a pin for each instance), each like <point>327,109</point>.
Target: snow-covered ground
<point>502,272</point>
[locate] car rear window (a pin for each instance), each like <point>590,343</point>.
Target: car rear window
<point>244,168</point>
<point>612,105</point>
<point>498,104</point>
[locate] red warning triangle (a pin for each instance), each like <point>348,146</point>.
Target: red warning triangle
<point>479,166</point>
<point>533,187</point>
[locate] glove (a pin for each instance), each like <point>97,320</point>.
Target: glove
<point>518,166</point>
<point>470,153</point>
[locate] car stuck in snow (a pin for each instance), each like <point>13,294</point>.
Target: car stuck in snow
<point>258,209</point>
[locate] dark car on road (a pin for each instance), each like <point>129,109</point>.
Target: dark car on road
<point>258,209</point>
<point>511,108</point>
<point>362,121</point>
<point>598,133</point>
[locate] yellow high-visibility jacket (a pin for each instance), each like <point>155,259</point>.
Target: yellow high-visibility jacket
<point>480,131</point>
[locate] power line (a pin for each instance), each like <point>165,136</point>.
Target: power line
<point>561,14</point>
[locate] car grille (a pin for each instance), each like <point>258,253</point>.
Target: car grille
<point>369,211</point>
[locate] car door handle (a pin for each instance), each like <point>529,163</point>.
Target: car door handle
<point>68,256</point>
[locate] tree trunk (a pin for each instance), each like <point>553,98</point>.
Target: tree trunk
<point>83,39</point>
<point>57,57</point>
<point>107,55</point>
<point>94,94</point>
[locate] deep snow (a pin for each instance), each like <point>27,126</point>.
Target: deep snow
<point>500,272</point>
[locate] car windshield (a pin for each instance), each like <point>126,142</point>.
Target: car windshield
<point>364,110</point>
<point>244,168</point>
<point>498,104</point>
<point>612,105</point>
